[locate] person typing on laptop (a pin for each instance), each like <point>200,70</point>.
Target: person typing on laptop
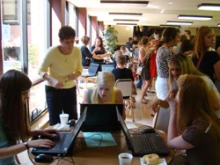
<point>105,92</point>
<point>14,125</point>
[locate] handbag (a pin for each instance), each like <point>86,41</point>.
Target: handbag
<point>139,70</point>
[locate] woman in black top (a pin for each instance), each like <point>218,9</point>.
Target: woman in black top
<point>99,50</point>
<point>86,54</point>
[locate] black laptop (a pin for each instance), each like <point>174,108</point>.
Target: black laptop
<point>64,145</point>
<point>143,143</point>
<point>101,117</point>
<point>92,70</point>
<point>107,67</point>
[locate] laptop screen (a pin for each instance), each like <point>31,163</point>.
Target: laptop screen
<point>93,68</point>
<point>107,67</point>
<point>101,117</point>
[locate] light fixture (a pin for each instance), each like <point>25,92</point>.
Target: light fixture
<point>134,24</point>
<point>144,2</point>
<point>209,6</point>
<point>178,23</point>
<point>195,17</point>
<point>134,14</point>
<point>175,26</point>
<point>219,24</point>
<point>127,20</point>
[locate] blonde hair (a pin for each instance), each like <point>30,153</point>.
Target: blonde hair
<point>103,79</point>
<point>195,104</point>
<point>121,59</point>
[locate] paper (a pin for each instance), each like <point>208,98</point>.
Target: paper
<point>99,139</point>
<point>131,126</point>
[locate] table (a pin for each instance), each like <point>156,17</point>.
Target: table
<point>102,155</point>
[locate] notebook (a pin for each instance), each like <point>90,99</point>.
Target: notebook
<point>107,67</point>
<point>101,117</point>
<point>92,70</point>
<point>64,145</point>
<point>141,144</point>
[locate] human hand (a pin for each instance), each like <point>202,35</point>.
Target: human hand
<point>55,83</point>
<point>97,48</point>
<point>49,133</point>
<point>72,76</point>
<point>172,103</point>
<point>45,143</point>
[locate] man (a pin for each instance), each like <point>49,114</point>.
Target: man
<point>128,44</point>
<point>187,33</point>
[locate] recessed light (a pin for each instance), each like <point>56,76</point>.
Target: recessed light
<point>209,6</point>
<point>135,14</point>
<point>127,20</point>
<point>194,17</point>
<point>170,3</point>
<point>178,23</point>
<point>219,24</point>
<point>175,26</point>
<point>125,2</point>
<point>134,24</point>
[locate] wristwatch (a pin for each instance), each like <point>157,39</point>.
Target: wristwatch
<point>26,145</point>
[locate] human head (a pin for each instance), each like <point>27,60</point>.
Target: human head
<point>171,35</point>
<point>152,41</point>
<point>105,82</point>
<point>144,41</point>
<point>98,42</point>
<point>186,46</point>
<point>14,88</point>
<point>67,37</point>
<point>85,40</point>
<point>205,39</point>
<point>117,53</point>
<point>122,49</point>
<point>121,60</point>
<point>135,38</point>
<point>194,102</point>
<point>130,65</point>
<point>130,39</point>
<point>187,33</point>
<point>182,38</point>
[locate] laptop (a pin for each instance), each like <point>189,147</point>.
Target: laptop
<point>92,70</point>
<point>101,117</point>
<point>64,145</point>
<point>143,143</point>
<point>107,67</point>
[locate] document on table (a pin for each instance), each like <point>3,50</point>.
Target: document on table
<point>99,139</point>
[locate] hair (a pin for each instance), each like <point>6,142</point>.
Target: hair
<point>188,32</point>
<point>85,39</point>
<point>185,64</point>
<point>130,66</point>
<point>169,34</point>
<point>144,40</point>
<point>103,79</point>
<point>100,39</point>
<point>130,39</point>
<point>182,38</point>
<point>121,59</point>
<point>186,46</point>
<point>66,32</point>
<point>200,48</point>
<point>122,48</point>
<point>12,110</point>
<point>195,104</point>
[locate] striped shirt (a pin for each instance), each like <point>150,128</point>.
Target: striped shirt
<point>163,57</point>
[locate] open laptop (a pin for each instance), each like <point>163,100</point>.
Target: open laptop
<point>64,145</point>
<point>92,70</point>
<point>107,67</point>
<point>101,117</point>
<point>143,143</point>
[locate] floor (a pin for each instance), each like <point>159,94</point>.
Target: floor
<point>142,114</point>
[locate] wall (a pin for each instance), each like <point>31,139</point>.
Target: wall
<point>123,33</point>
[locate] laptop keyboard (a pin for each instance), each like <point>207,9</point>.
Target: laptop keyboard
<point>59,142</point>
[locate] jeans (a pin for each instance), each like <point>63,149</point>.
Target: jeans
<point>59,100</point>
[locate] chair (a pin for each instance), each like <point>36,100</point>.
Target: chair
<point>162,119</point>
<point>125,85</point>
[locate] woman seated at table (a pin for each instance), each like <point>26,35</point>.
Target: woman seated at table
<point>125,52</point>
<point>193,125</point>
<point>99,50</point>
<point>14,125</point>
<point>104,92</point>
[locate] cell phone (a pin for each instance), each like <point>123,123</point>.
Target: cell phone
<point>131,54</point>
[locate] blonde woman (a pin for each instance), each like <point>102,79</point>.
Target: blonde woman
<point>105,92</point>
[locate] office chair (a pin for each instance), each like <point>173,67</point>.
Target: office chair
<point>125,85</point>
<point>162,119</point>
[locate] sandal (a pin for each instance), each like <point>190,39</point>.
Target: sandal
<point>144,101</point>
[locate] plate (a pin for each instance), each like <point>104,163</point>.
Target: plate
<point>161,162</point>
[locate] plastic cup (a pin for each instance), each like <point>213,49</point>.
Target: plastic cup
<point>64,118</point>
<point>125,159</point>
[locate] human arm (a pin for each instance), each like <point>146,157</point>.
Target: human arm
<point>144,55</point>
<point>85,97</point>
<point>55,83</point>
<point>119,100</point>
<point>46,132</point>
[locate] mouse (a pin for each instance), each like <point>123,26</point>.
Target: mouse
<point>71,122</point>
<point>148,130</point>
<point>43,158</point>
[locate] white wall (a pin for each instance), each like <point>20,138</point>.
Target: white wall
<point>124,32</point>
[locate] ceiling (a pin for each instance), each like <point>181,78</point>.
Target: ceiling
<point>157,12</point>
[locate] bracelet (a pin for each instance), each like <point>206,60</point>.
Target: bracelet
<point>26,145</point>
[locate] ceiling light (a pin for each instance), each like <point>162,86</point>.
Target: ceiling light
<point>133,24</point>
<point>127,20</point>
<point>219,24</point>
<point>194,17</point>
<point>178,23</point>
<point>135,14</point>
<point>209,6</point>
<point>144,2</point>
<point>175,26</point>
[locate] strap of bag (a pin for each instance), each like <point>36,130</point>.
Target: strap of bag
<point>199,62</point>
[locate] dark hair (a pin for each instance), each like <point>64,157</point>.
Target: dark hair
<point>188,32</point>
<point>186,46</point>
<point>66,32</point>
<point>182,38</point>
<point>130,39</point>
<point>12,110</point>
<point>169,34</point>
<point>100,39</point>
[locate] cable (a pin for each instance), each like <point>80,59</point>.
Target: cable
<point>101,138</point>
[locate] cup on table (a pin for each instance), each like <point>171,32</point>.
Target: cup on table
<point>64,118</point>
<point>125,159</point>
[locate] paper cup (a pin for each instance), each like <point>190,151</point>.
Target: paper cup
<point>64,118</point>
<point>125,159</point>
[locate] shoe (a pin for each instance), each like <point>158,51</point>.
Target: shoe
<point>150,91</point>
<point>144,101</point>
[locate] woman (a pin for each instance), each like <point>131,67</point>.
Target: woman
<point>14,124</point>
<point>170,38</point>
<point>99,50</point>
<point>105,92</point>
<point>193,125</point>
<point>61,67</point>
<point>204,58</point>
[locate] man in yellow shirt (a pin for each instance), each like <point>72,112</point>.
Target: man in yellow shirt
<point>61,67</point>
